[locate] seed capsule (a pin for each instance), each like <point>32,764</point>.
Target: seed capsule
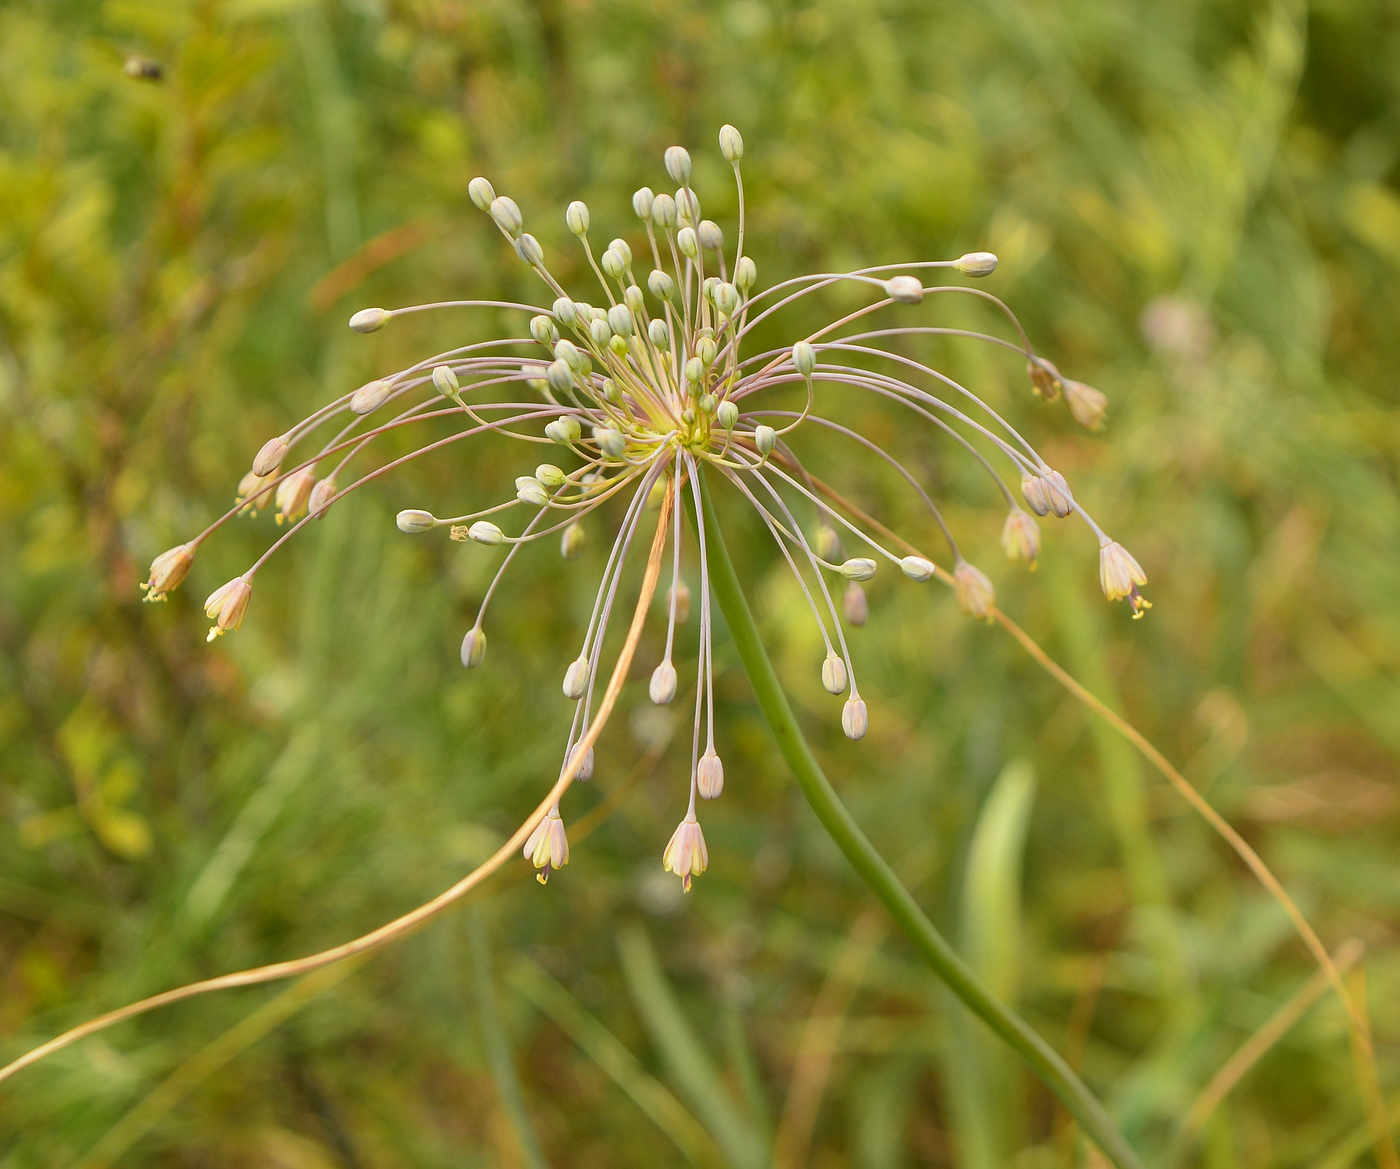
<point>804,358</point>
<point>270,457</point>
<point>709,776</point>
<point>765,438</point>
<point>905,289</point>
<point>855,605</point>
<point>370,396</point>
<point>731,143</point>
<point>661,285</point>
<point>641,203</point>
<point>507,215</point>
<point>711,236</point>
<point>563,430</point>
<point>973,590</point>
<point>976,264</point>
<point>858,568</point>
<point>663,684</point>
<point>576,679</point>
<point>530,490</point>
<point>485,532</point>
<point>473,648</point>
<point>916,568</point>
<point>413,520</point>
<point>834,674</point>
<point>577,217</point>
<point>727,414</point>
<point>482,193</point>
<point>745,273</point>
<point>571,543</point>
<point>370,320</point>
<point>855,719</point>
<point>678,164</point>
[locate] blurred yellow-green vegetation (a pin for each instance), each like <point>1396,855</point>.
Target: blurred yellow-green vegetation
<point>1196,209</point>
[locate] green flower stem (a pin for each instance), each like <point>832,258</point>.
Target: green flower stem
<point>878,875</point>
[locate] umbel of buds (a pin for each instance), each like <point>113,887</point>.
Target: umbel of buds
<point>641,388</point>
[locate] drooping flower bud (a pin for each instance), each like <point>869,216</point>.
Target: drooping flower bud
<point>663,684</point>
<point>585,767</point>
<point>254,492</point>
<point>858,568</point>
<point>321,496</point>
<point>572,542</point>
<point>168,570</point>
<point>765,438</point>
<point>370,396</point>
<point>1020,537</point>
<point>976,264</point>
<point>506,213</point>
<point>473,648</point>
<point>686,855</point>
<point>855,719</point>
<point>227,604</point>
<point>834,673</point>
<point>270,457</point>
<point>563,430</point>
<point>804,358</point>
<point>482,193</point>
<point>905,289</point>
<point>916,568</point>
<point>709,775</point>
<point>727,414</point>
<point>827,543</point>
<point>414,520</point>
<point>485,532</point>
<point>1086,405</point>
<point>548,846</point>
<point>711,236</point>
<point>1120,575</point>
<point>577,217</point>
<point>293,493</point>
<point>678,164</point>
<point>745,273</point>
<point>1033,488</point>
<point>370,320</point>
<point>530,490</point>
<point>663,211</point>
<point>576,679</point>
<point>855,605</point>
<point>973,590</point>
<point>610,441</point>
<point>1057,494</point>
<point>661,285</point>
<point>731,143</point>
<point>642,202</point>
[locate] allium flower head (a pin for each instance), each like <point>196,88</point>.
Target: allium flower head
<point>637,392</point>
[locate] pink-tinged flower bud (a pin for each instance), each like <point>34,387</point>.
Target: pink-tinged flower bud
<point>572,542</point>
<point>679,593</point>
<point>834,674</point>
<point>482,193</point>
<point>168,570</point>
<point>855,605</point>
<point>1086,405</point>
<point>973,590</point>
<point>686,855</point>
<point>227,604</point>
<point>905,289</point>
<point>293,494</point>
<point>548,846</point>
<point>254,493</point>
<point>1057,494</point>
<point>576,679</point>
<point>916,568</point>
<point>370,320</point>
<point>1120,574</point>
<point>1033,488</point>
<point>976,264</point>
<point>585,768</point>
<point>855,719</point>
<point>1020,537</point>
<point>827,544</point>
<point>1045,378</point>
<point>858,568</point>
<point>473,648</point>
<point>321,496</point>
<point>663,684</point>
<point>370,396</point>
<point>274,450</point>
<point>709,775</point>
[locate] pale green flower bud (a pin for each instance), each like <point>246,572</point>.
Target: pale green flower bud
<point>530,490</point>
<point>709,775</point>
<point>612,264</point>
<point>694,370</point>
<point>370,320</point>
<point>577,217</point>
<point>536,377</point>
<point>973,590</point>
<point>482,192</point>
<point>610,441</point>
<point>707,403</point>
<point>855,720</point>
<point>727,415</point>
<point>619,346</point>
<point>550,475</point>
<point>446,383</point>
<point>745,273</point>
<point>661,285</point>
<point>834,674</point>
<point>567,352</point>
<point>620,320</point>
<point>473,648</point>
<point>634,298</point>
<point>707,290</point>
<point>610,391</point>
<point>905,289</point>
<point>976,264</point>
<point>560,377</point>
<point>858,568</point>
<point>414,521</point>
<point>680,594</point>
<point>571,543</point>
<point>688,206</point>
<point>563,430</point>
<point>642,203</point>
<point>527,247</point>
<point>678,164</point>
<point>485,532</point>
<point>660,335</point>
<point>542,330</point>
<point>731,143</point>
<point>727,299</point>
<point>765,438</point>
<point>507,215</point>
<point>564,311</point>
<point>710,235</point>
<point>600,331</point>
<point>706,350</point>
<point>828,543</point>
<point>370,396</point>
<point>584,310</point>
<point>688,243</point>
<point>663,210</point>
<point>270,457</point>
<point>576,679</point>
<point>688,415</point>
<point>855,606</point>
<point>804,358</point>
<point>916,568</point>
<point>663,684</point>
<point>622,248</point>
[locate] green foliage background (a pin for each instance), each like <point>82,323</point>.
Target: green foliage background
<point>1196,208</point>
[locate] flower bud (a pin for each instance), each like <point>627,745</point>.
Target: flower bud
<point>270,457</point>
<point>660,335</point>
<point>905,289</point>
<point>855,605</point>
<point>620,320</point>
<point>731,143</point>
<point>1057,494</point>
<point>634,298</point>
<point>727,298</point>
<point>619,346</point>
<point>446,383</point>
<point>321,496</point>
<point>567,352</point>
<point>413,520</point>
<point>227,605</point>
<point>745,273</point>
<point>1086,405</point>
<point>765,438</point>
<point>563,430</point>
<point>482,192</point>
<point>1020,537</point>
<point>804,358</point>
<point>576,679</point>
<point>1045,379</point>
<point>1120,574</point>
<point>550,475</point>
<point>485,532</point>
<point>855,719</point>
<point>577,217</point>
<point>976,264</point>
<point>530,490</point>
<point>688,206</point>
<point>663,684</point>
<point>572,541</point>
<point>688,242</point>
<point>707,403</point>
<point>916,568</point>
<point>370,320</point>
<point>564,311</point>
<point>584,310</point>
<point>711,236</point>
<point>560,378</point>
<point>254,492</point>
<point>663,210</point>
<point>858,568</point>
<point>473,648</point>
<point>685,854</point>
<point>706,350</point>
<point>507,215</point>
<point>168,570</point>
<point>834,674</point>
<point>1033,488</point>
<point>707,289</point>
<point>679,596</point>
<point>370,396</point>
<point>678,164</point>
<point>827,544</point>
<point>694,370</point>
<point>293,493</point>
<point>542,329</point>
<point>973,590</point>
<point>709,775</point>
<point>610,391</point>
<point>527,247</point>
<point>727,415</point>
<point>642,203</point>
<point>623,249</point>
<point>661,285</point>
<point>610,441</point>
<point>613,265</point>
<point>600,331</point>
<point>585,768</point>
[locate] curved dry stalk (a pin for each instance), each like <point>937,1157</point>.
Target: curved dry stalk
<point>412,920</point>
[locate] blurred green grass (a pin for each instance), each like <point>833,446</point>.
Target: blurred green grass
<point>1196,208</point>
